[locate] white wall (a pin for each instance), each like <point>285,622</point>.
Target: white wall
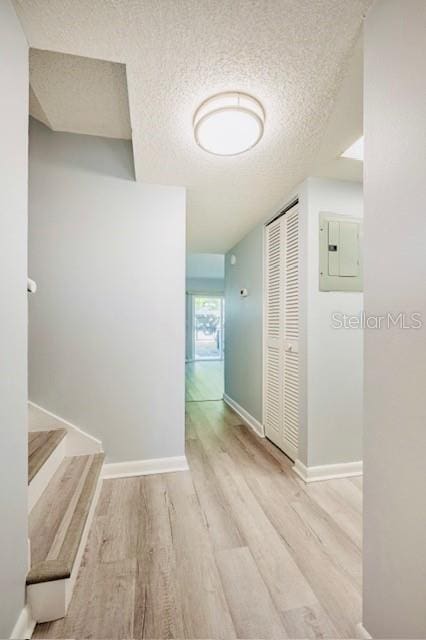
<point>107,323</point>
<point>13,316</point>
<point>243,323</point>
<point>211,286</point>
<point>334,357</point>
<point>205,265</point>
<point>395,359</point>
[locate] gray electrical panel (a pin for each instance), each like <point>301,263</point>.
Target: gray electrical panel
<point>340,253</point>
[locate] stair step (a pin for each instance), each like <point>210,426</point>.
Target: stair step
<point>57,521</point>
<point>41,445</point>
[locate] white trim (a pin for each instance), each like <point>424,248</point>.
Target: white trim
<point>192,327</point>
<point>24,626</point>
<point>361,632</point>
<point>42,478</point>
<point>79,443</point>
<point>327,471</point>
<point>245,415</point>
<point>144,467</point>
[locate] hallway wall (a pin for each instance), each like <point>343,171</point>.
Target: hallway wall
<point>107,323</point>
<point>331,360</point>
<point>395,358</point>
<point>334,357</point>
<point>243,323</point>
<point>13,316</point>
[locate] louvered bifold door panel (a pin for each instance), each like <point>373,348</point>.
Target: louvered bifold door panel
<point>290,387</point>
<point>274,334</point>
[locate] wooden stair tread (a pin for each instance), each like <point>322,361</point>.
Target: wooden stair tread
<point>40,446</point>
<point>57,521</point>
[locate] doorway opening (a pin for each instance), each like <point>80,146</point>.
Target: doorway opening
<point>205,324</point>
<point>207,327</point>
<point>205,364</point>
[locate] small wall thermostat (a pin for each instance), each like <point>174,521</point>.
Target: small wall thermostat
<point>233,259</point>
<point>243,293</point>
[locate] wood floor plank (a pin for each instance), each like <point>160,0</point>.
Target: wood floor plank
<point>296,533</point>
<point>204,605</point>
<point>340,549</point>
<point>342,501</point>
<point>40,446</point>
<point>308,622</point>
<point>157,609</point>
<point>287,585</point>
<point>252,610</point>
<point>217,511</point>
<point>101,606</point>
<point>204,380</point>
<point>46,518</point>
<point>123,516</point>
<point>335,589</point>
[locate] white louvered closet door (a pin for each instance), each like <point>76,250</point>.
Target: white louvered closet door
<point>274,336</point>
<point>282,332</point>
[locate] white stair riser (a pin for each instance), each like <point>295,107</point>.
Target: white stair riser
<point>48,600</point>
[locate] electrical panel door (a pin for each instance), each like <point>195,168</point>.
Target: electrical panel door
<point>340,253</point>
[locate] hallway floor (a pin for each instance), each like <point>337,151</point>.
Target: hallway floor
<point>238,547</point>
<point>204,380</point>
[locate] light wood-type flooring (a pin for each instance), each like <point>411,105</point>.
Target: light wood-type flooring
<point>204,380</point>
<point>237,547</point>
<point>40,446</point>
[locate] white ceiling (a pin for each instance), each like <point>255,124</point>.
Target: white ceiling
<point>79,95</point>
<point>344,126</point>
<point>291,54</point>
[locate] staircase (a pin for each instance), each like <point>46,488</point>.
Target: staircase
<point>62,494</point>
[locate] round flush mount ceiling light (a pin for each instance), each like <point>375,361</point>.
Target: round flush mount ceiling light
<point>228,124</point>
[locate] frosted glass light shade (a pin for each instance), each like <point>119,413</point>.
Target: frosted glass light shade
<point>229,123</point>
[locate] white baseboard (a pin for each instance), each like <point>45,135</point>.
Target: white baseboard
<point>361,632</point>
<point>144,467</point>
<point>245,415</point>
<point>328,471</point>
<point>79,443</point>
<point>24,626</point>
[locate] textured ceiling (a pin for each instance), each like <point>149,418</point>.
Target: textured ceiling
<point>291,54</point>
<point>344,126</point>
<point>79,95</point>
